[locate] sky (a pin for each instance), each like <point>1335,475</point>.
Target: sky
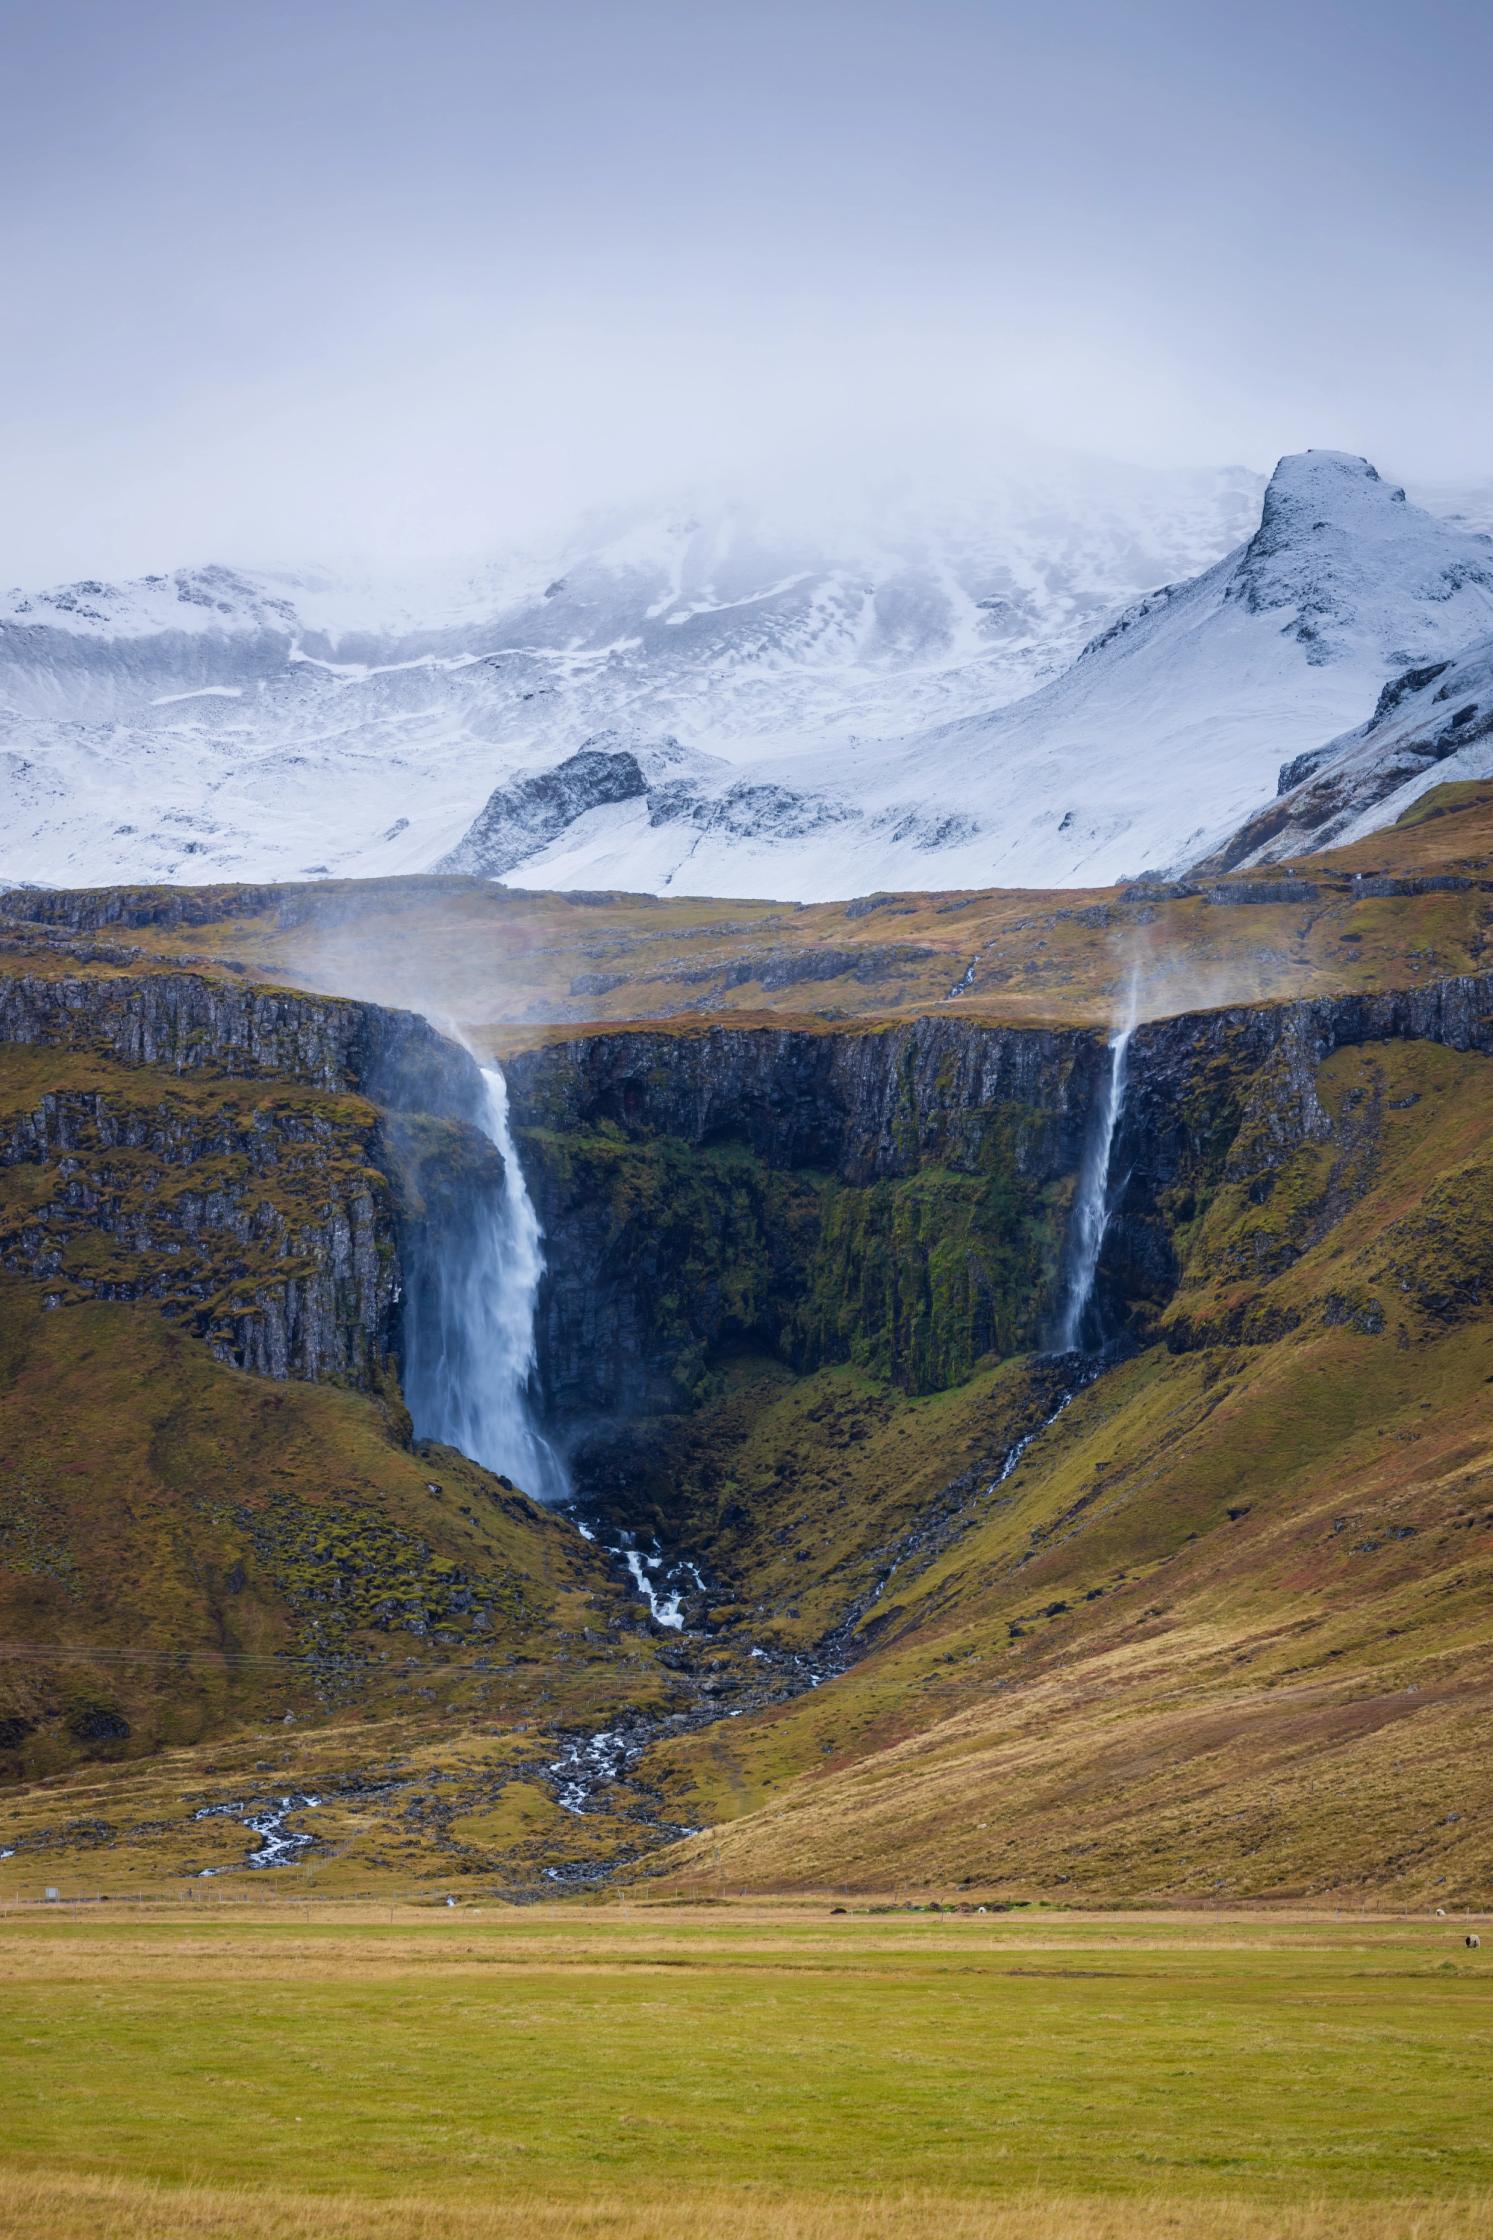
<point>345,278</point>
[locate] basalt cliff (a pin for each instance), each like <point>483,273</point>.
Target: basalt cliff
<point>857,1530</point>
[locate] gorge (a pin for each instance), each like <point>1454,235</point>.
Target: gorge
<point>914,1373</point>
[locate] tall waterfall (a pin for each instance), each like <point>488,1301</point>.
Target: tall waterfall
<point>469,1325</point>
<point>1094,1201</point>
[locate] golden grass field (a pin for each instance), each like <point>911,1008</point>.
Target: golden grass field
<point>52,2208</point>
<point>625,2070</point>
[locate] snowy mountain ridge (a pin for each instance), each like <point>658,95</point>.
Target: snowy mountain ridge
<point>1430,726</point>
<point>974,689</point>
<point>218,723</point>
<point>1160,739</point>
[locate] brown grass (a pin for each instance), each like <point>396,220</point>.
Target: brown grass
<point>47,2206</point>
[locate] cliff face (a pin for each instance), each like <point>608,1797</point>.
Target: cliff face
<point>866,1106</point>
<point>898,1199</point>
<point>247,1159</point>
<point>1226,1100</point>
<point>893,1199</point>
<point>283,1172</point>
<point>266,1230</point>
<point>183,1022</point>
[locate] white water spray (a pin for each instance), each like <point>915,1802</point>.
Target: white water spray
<point>469,1335</point>
<point>1093,1204</point>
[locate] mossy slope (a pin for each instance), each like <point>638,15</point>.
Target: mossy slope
<point>1225,1629</point>
<point>184,1547</point>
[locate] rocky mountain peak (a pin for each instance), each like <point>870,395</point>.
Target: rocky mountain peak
<point>1347,551</point>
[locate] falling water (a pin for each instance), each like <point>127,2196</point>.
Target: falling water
<point>1095,1199</point>
<point>469,1326</point>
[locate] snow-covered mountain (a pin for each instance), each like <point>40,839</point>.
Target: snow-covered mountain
<point>1430,725</point>
<point>215,723</point>
<point>798,702</point>
<point>1148,752</point>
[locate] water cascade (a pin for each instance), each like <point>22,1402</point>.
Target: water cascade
<point>469,1326</point>
<point>1095,1199</point>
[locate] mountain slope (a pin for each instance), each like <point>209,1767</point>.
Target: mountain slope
<point>1222,1629</point>
<point>1156,744</point>
<point>735,703</point>
<point>1432,726</point>
<point>1202,1615</point>
<point>220,723</point>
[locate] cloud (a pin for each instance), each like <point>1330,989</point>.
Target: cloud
<point>367,279</point>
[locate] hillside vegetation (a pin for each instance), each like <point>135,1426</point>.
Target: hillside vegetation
<point>1224,1629</point>
<point>1202,1619</point>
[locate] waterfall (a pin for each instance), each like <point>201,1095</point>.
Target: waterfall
<point>469,1325</point>
<point>1094,1201</point>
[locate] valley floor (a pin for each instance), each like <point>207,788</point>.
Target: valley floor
<point>623,2069</point>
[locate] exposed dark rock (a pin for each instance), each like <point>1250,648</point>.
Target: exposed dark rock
<point>863,1103</point>
<point>184,1022</point>
<point>1243,892</point>
<point>261,1228</point>
<point>765,1186</point>
<point>746,810</point>
<point>98,1722</point>
<point>1301,767</point>
<point>520,818</point>
<point>272,1226</point>
<point>1401,687</point>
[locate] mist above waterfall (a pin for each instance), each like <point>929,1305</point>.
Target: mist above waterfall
<point>469,1354</point>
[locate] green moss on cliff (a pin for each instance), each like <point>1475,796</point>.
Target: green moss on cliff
<point>254,1213</point>
<point>1381,1218</point>
<point>919,1280</point>
<point>915,1280</point>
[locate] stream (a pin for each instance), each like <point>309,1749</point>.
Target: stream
<point>278,1843</point>
<point>469,1376</point>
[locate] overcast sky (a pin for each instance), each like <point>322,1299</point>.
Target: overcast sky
<point>340,276</point>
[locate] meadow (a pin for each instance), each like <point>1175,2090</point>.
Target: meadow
<point>633,2068</point>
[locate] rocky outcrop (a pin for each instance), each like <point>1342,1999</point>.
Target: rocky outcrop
<point>183,1022</point>
<point>265,1230</point>
<point>267,1202</point>
<point>520,818</point>
<point>524,816</point>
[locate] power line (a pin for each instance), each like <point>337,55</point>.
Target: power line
<point>328,1661</point>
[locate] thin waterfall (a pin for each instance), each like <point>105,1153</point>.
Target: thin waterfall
<point>469,1324</point>
<point>1095,1198</point>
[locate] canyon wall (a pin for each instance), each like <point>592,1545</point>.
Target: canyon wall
<point>283,1171</point>
<point>250,1160</point>
<point>897,1197</point>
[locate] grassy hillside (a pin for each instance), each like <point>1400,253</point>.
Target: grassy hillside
<point>1225,1629</point>
<point>213,1587</point>
<point>1220,1631</point>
